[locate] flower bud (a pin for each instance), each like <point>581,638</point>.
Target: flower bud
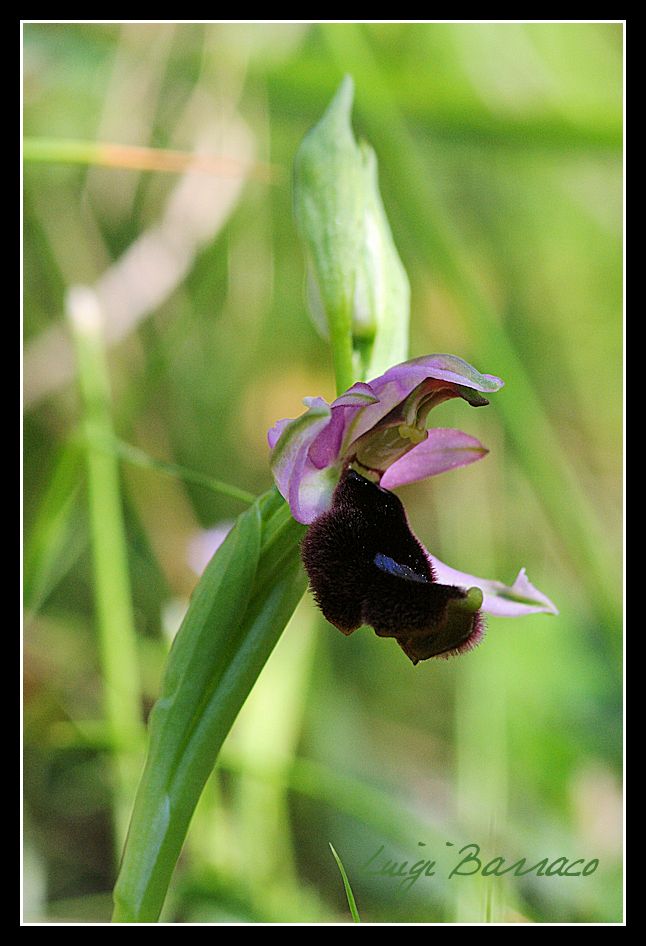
<point>356,280</point>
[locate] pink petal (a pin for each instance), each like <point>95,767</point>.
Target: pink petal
<point>358,395</point>
<point>312,492</point>
<point>396,384</point>
<point>325,449</point>
<point>346,412</point>
<point>289,458</point>
<point>273,435</point>
<point>444,449</point>
<point>507,601</point>
<point>441,367</point>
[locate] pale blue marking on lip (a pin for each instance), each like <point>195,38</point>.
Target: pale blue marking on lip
<point>389,565</point>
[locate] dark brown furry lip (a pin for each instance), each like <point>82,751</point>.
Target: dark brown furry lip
<point>365,566</point>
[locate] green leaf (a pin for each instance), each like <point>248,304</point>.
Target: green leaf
<point>238,611</point>
<point>346,883</point>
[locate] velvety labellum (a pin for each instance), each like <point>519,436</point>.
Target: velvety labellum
<point>366,567</point>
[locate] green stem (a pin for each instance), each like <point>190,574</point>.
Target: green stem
<point>138,458</point>
<point>62,149</point>
<point>341,345</point>
<point>136,158</point>
<point>117,641</point>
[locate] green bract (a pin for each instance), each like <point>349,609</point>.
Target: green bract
<point>358,287</point>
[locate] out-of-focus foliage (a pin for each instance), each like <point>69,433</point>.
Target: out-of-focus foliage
<point>499,149</point>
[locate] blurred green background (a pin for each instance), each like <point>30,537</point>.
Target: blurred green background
<point>500,158</point>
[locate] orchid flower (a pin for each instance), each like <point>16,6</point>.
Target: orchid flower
<point>336,465</point>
